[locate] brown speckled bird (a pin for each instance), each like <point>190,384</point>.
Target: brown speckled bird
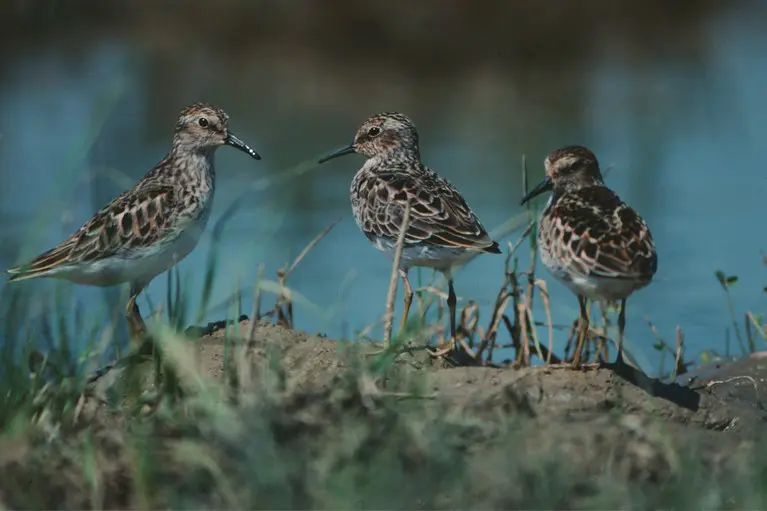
<point>442,229</point>
<point>153,225</point>
<point>589,239</point>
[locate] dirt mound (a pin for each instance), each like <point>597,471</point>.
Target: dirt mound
<point>321,424</point>
<point>718,410</point>
<point>724,398</point>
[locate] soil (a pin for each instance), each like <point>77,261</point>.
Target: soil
<point>637,427</point>
<point>717,403</point>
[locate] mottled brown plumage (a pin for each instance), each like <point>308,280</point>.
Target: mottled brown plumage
<point>590,232</point>
<point>128,223</point>
<point>439,216</point>
<point>153,225</point>
<point>589,239</point>
<point>442,230</point>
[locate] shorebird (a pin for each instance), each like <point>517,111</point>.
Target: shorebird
<point>442,230</point>
<point>590,240</point>
<point>153,225</point>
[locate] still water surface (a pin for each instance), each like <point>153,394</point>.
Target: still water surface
<point>684,140</point>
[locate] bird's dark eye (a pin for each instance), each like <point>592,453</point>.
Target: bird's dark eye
<point>374,131</point>
<point>203,122</point>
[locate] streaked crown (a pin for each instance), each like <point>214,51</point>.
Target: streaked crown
<point>201,126</point>
<point>382,133</point>
<point>573,166</point>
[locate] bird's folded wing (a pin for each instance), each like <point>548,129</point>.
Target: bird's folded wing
<point>133,220</point>
<point>438,214</point>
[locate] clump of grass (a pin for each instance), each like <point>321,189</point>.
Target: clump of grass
<point>254,441</point>
<point>681,364</point>
<point>752,329</point>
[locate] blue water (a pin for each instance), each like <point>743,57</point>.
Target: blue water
<point>684,140</point>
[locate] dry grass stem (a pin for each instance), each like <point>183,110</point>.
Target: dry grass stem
<point>543,289</point>
<point>522,319</point>
<point>498,313</point>
<point>434,291</point>
<point>713,383</point>
<point>392,293</point>
<point>440,333</point>
<point>311,245</point>
<point>256,313</point>
<point>751,319</point>
<point>514,246</point>
<point>283,308</point>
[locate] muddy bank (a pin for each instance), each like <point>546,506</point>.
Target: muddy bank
<point>719,404</point>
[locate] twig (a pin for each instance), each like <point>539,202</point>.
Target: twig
<point>534,333</point>
<point>311,244</point>
<point>433,290</point>
<point>283,298</point>
<point>541,284</point>
<point>503,298</point>
<point>531,277</point>
<point>256,315</point>
<point>522,318</point>
<point>469,323</point>
<point>527,322</point>
<point>440,333</point>
<point>392,294</point>
<point>285,317</point>
<point>709,385</point>
<point>514,246</point>
<point>750,317</point>
<point>469,350</point>
<point>503,301</point>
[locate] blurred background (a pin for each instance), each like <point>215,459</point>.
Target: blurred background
<point>670,96</point>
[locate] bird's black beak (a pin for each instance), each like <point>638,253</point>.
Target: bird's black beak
<point>335,154</point>
<point>235,142</point>
<point>544,186</point>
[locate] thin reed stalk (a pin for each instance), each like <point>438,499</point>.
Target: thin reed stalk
<point>391,295</point>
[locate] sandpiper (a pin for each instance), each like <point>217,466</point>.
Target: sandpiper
<point>442,230</point>
<point>589,239</point>
<point>153,225</point>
